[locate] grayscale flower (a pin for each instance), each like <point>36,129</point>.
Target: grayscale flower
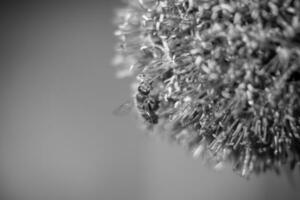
<point>220,77</point>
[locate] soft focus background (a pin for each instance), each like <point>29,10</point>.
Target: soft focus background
<point>59,139</point>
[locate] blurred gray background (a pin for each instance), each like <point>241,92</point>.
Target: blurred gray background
<point>58,138</point>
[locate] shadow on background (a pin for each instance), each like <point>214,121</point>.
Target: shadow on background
<point>59,139</point>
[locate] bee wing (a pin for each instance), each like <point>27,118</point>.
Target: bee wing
<point>124,108</point>
<point>148,5</point>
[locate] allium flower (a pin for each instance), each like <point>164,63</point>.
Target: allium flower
<point>220,77</point>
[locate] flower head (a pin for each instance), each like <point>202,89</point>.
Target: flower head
<point>220,77</point>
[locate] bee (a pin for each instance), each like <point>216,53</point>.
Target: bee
<point>146,103</point>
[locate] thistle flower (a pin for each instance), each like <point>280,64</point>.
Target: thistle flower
<point>220,77</point>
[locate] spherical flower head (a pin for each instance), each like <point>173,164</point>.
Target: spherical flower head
<point>220,77</point>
